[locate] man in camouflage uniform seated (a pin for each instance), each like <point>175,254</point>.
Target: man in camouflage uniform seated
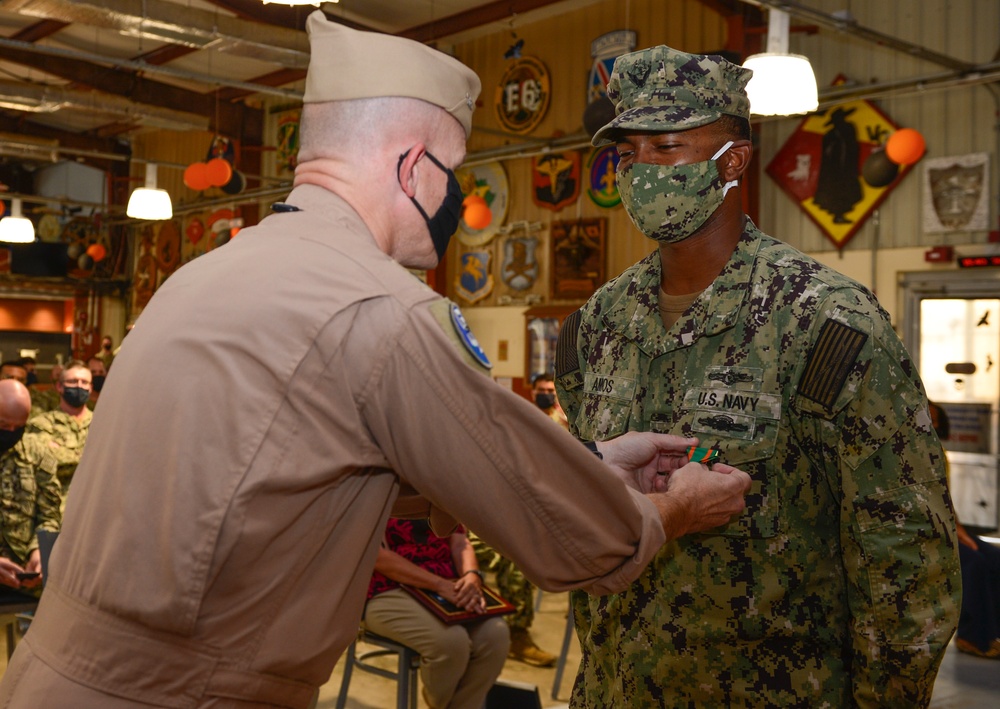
<point>512,585</point>
<point>65,429</point>
<point>29,494</point>
<point>839,584</point>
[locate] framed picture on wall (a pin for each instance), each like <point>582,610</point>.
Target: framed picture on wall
<point>577,257</point>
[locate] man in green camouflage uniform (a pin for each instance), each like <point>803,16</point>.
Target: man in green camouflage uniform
<point>43,400</point>
<point>512,585</point>
<point>65,429</point>
<point>839,585</point>
<point>29,494</point>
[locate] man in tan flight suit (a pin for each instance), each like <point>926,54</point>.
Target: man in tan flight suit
<point>226,517</point>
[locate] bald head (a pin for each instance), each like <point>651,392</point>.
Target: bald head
<point>358,129</point>
<point>15,404</point>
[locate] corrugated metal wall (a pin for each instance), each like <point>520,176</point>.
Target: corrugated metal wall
<point>953,121</point>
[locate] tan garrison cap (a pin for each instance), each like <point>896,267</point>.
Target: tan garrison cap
<point>349,64</point>
<point>661,89</point>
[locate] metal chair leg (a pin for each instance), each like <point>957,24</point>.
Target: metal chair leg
<point>561,664</point>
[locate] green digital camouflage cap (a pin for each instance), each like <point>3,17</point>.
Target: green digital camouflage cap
<point>661,89</point>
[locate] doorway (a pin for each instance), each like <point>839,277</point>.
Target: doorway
<point>952,331</point>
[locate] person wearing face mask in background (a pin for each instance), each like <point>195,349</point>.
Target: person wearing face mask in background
<point>543,393</point>
<point>65,429</point>
<point>107,352</point>
<point>839,585</point>
<point>30,495</point>
<point>226,516</point>
<point>98,375</point>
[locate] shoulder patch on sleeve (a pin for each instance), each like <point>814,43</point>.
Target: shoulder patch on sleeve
<point>830,361</point>
<point>452,322</point>
<point>567,359</point>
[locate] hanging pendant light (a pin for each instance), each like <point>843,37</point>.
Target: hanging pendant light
<point>297,2</point>
<point>15,229</point>
<point>149,202</point>
<point>783,84</point>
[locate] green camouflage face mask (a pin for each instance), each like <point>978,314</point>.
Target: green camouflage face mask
<point>670,202</point>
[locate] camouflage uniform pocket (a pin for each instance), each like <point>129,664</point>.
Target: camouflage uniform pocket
<point>17,507</point>
<point>897,543</point>
<point>747,441</point>
<point>606,405</point>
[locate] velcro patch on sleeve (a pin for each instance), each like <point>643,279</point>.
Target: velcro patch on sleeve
<point>567,359</point>
<point>830,362</point>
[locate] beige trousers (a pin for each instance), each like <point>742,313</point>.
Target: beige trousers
<point>458,663</point>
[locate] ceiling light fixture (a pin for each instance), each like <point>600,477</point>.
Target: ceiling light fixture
<point>783,84</point>
<point>16,229</point>
<point>297,2</point>
<point>149,202</point>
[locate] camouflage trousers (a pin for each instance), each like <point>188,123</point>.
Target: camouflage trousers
<point>511,583</point>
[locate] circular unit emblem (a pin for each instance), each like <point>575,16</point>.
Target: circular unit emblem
<point>601,186</point>
<point>523,95</point>
<point>488,181</point>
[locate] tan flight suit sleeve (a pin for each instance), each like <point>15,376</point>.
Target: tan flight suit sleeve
<point>493,461</point>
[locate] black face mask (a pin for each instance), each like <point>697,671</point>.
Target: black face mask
<point>9,439</point>
<point>75,396</point>
<point>444,223</point>
<point>98,382</point>
<point>545,401</point>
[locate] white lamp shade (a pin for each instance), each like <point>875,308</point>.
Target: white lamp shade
<point>17,230</point>
<point>782,85</point>
<point>148,203</point>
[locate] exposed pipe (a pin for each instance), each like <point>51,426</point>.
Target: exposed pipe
<point>139,65</point>
<point>847,24</point>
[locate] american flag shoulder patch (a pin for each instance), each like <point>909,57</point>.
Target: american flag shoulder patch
<point>830,362</point>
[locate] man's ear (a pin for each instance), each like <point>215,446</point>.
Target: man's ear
<point>736,160</point>
<point>407,171</point>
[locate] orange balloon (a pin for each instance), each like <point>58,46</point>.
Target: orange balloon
<point>196,176</point>
<point>477,215</point>
<point>905,146</point>
<point>97,252</point>
<point>219,172</point>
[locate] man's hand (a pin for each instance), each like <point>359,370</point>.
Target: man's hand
<point>34,565</point>
<point>698,498</point>
<point>642,459</point>
<point>8,571</point>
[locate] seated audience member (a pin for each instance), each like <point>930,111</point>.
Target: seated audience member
<point>459,662</point>
<point>29,495</point>
<point>13,369</point>
<point>98,373</point>
<point>979,625</point>
<point>516,588</point>
<point>64,430</point>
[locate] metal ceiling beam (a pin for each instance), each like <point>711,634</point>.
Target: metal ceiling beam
<point>849,25</point>
<point>499,11</point>
<point>49,99</point>
<point>228,118</point>
<point>176,24</point>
